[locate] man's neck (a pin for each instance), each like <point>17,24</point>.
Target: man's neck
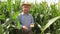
<point>25,13</point>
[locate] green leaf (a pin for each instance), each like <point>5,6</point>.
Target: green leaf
<point>9,5</point>
<point>1,29</point>
<point>51,21</point>
<point>14,16</point>
<point>3,17</point>
<point>18,24</point>
<point>58,31</point>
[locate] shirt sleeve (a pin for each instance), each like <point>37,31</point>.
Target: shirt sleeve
<point>19,18</point>
<point>32,19</point>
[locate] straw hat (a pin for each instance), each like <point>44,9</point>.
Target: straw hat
<point>26,4</point>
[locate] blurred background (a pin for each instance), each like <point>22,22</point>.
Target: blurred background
<point>46,14</point>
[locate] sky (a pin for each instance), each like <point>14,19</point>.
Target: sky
<point>38,1</point>
<point>49,1</point>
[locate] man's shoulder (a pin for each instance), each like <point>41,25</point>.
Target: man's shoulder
<point>30,15</point>
<point>20,14</point>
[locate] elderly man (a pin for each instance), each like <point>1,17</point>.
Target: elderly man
<point>26,19</point>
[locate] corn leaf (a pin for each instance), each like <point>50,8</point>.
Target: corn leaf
<point>51,21</point>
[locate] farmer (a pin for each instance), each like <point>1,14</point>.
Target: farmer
<point>26,19</point>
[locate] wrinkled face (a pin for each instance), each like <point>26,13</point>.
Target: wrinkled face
<point>26,9</point>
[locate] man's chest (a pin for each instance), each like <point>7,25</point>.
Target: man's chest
<point>26,18</point>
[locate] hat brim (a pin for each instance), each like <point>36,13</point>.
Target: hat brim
<point>26,5</point>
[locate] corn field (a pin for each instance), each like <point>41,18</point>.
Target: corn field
<point>46,18</point>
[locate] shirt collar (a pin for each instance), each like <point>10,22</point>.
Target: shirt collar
<point>24,14</point>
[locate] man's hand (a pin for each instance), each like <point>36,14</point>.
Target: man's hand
<point>25,28</point>
<point>31,25</point>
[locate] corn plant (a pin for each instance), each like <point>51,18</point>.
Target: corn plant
<point>8,15</point>
<point>46,18</point>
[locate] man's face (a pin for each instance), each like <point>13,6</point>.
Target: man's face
<point>26,9</point>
